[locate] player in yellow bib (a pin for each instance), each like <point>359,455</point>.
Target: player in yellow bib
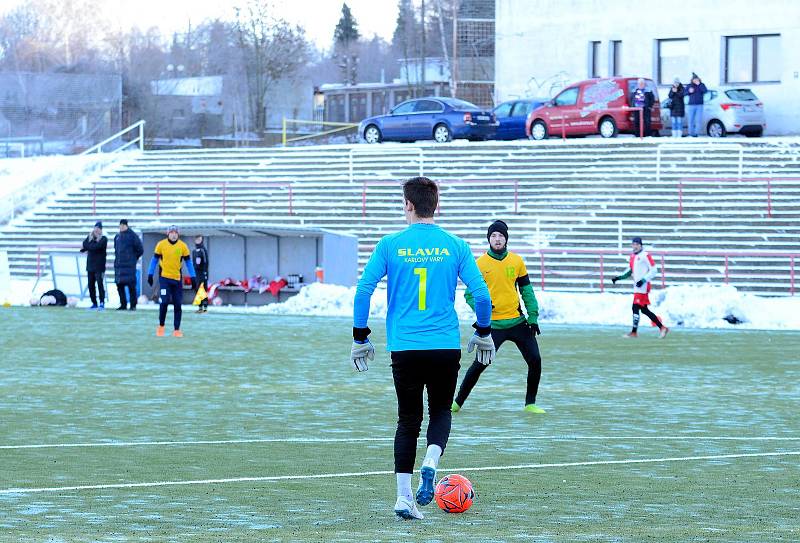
<point>508,281</point>
<point>170,254</point>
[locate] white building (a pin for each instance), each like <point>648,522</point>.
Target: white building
<point>543,45</point>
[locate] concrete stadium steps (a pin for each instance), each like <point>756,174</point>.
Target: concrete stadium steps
<point>566,195</point>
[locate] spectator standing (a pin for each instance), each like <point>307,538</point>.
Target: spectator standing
<point>95,245</point>
<point>127,250</point>
<point>642,98</point>
<point>200,258</point>
<point>677,109</point>
<point>695,90</point>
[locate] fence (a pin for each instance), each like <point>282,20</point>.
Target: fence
<point>726,269</point>
<point>68,111</point>
<point>766,180</point>
<point>728,259</point>
<point>157,186</point>
<point>39,248</point>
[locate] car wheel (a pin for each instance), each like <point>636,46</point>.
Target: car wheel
<point>608,127</point>
<point>538,131</point>
<point>442,134</point>
<point>716,129</point>
<point>372,134</point>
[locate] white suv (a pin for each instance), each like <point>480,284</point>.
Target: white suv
<point>728,111</point>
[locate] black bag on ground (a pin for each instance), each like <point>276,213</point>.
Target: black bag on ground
<point>61,299</point>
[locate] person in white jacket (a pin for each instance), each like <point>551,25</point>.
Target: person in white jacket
<point>643,269</point>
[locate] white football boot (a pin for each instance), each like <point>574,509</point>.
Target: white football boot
<point>407,509</point>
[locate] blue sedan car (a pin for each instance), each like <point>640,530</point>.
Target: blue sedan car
<point>437,118</point>
<point>512,116</point>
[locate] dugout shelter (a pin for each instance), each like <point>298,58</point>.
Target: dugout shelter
<point>248,251</point>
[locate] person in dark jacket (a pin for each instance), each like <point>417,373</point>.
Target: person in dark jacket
<point>200,259</point>
<point>677,109</point>
<point>95,246</point>
<point>643,98</point>
<point>695,90</point>
<point>127,249</point>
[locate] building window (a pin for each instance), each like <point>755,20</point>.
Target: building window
<point>753,59</point>
<point>673,59</point>
<point>358,107</point>
<point>594,59</point>
<point>334,106</point>
<point>616,58</point>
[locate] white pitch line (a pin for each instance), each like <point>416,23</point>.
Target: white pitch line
<point>390,439</point>
<point>387,472</point>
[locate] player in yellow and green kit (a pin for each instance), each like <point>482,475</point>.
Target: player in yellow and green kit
<point>507,279</point>
<point>170,254</point>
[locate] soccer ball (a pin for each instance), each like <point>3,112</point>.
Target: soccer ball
<point>454,494</point>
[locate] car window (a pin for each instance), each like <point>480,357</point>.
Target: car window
<point>744,95</point>
<point>568,97</point>
<point>710,95</point>
<point>428,106</point>
<point>521,109</point>
<point>504,110</point>
<point>455,103</point>
<point>406,107</point>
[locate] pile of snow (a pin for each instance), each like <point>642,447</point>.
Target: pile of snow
<point>24,182</point>
<point>683,306</point>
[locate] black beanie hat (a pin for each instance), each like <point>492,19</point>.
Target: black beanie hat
<point>498,226</point>
<point>638,240</point>
<point>98,224</point>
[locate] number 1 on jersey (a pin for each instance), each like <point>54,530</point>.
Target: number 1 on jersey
<point>423,287</point>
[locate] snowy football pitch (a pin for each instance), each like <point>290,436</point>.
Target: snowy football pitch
<point>254,428</point>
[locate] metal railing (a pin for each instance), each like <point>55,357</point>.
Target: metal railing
<point>341,127</point>
<point>40,248</point>
<point>726,258</point>
<point>766,180</point>
<point>190,187</point>
<point>137,140</point>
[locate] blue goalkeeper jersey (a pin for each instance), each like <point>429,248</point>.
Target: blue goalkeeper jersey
<point>422,265</point>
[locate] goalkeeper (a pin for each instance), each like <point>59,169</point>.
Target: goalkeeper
<point>505,274</point>
<point>422,265</point>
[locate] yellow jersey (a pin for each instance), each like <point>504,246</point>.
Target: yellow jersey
<point>501,278</point>
<point>171,257</point>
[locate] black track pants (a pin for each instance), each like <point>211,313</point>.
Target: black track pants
<point>413,372</point>
<point>523,338</point>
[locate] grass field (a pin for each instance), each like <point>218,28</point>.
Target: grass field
<point>275,399</point>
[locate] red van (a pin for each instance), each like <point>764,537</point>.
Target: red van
<point>594,106</point>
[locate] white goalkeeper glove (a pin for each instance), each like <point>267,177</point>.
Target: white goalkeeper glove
<point>360,352</point>
<point>485,346</point>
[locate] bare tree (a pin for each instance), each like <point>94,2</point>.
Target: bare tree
<point>271,50</point>
<point>41,35</point>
